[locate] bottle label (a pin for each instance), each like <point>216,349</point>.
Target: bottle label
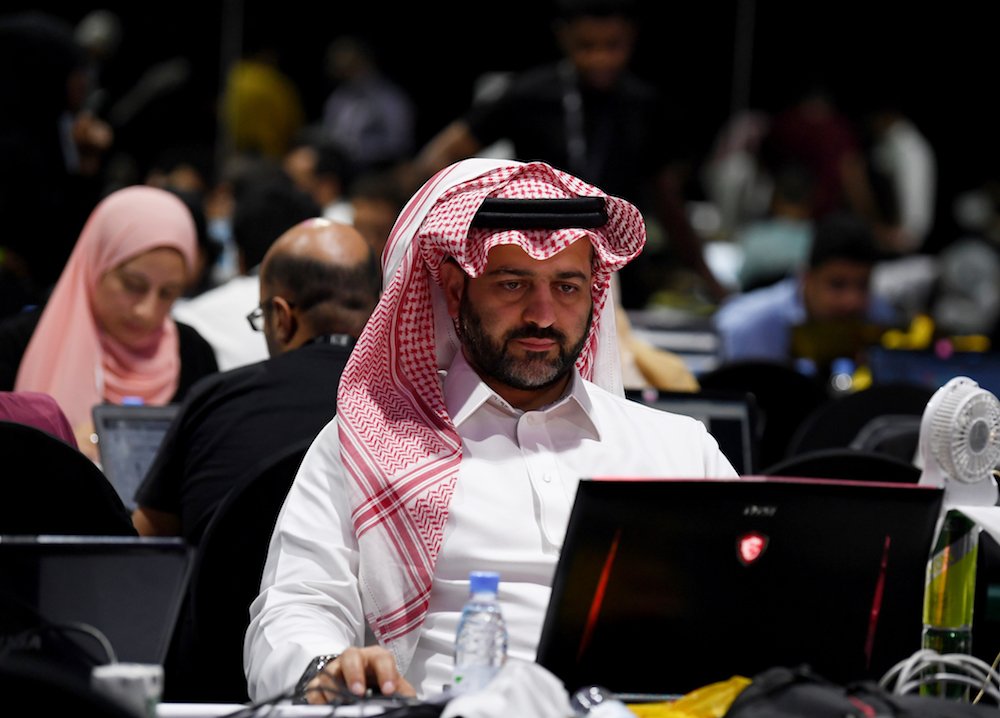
<point>472,678</point>
<point>951,577</point>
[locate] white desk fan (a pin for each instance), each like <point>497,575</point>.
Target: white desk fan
<point>959,448</point>
<point>959,444</point>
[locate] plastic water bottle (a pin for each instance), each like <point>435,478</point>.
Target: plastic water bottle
<point>481,639</point>
<point>949,594</point>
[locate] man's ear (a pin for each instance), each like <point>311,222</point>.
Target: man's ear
<point>285,321</point>
<point>453,285</point>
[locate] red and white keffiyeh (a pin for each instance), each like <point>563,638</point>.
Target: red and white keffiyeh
<point>398,443</point>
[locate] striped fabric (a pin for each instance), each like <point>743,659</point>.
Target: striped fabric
<point>397,441</point>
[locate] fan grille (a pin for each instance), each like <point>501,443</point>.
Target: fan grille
<point>966,434</point>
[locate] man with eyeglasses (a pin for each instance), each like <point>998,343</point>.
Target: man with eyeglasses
<point>319,282</point>
<point>265,206</point>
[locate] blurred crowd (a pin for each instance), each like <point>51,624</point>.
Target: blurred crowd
<point>723,222</point>
<point>224,257</point>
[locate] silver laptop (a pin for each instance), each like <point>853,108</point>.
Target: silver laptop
<point>128,437</point>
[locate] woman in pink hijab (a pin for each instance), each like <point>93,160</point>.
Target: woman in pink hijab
<point>106,332</point>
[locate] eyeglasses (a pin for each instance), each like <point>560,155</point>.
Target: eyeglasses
<point>256,317</point>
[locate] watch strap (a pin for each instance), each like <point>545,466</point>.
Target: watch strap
<point>316,665</point>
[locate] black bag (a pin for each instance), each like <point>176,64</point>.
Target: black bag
<point>800,693</point>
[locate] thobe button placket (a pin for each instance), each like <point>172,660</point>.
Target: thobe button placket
<point>543,471</point>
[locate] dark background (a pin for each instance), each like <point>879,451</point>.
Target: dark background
<point>937,59</point>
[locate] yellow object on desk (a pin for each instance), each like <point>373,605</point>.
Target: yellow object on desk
<point>710,701</point>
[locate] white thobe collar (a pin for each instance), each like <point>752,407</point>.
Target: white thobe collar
<point>465,392</point>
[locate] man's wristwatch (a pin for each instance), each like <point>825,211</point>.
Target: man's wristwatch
<point>312,670</point>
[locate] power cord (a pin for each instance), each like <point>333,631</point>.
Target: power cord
<point>42,627</point>
<point>927,667</point>
<point>993,668</point>
<point>262,707</point>
<point>385,705</point>
<point>86,629</point>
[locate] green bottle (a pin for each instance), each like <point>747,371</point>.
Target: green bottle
<point>949,594</point>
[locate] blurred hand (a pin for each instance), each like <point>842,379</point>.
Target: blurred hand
<point>86,440</point>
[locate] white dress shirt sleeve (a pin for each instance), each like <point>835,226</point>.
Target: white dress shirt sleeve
<point>310,603</point>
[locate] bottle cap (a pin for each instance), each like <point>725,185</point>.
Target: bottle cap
<point>484,582</point>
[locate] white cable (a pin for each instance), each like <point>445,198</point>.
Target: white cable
<point>95,633</point>
<point>926,667</point>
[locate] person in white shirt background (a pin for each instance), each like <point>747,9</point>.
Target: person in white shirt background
<point>903,158</point>
<point>485,386</point>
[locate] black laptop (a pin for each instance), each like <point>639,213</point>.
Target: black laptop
<point>664,586</point>
<point>128,437</point>
<point>125,591</point>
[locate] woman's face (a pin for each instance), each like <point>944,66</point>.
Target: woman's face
<point>133,299</point>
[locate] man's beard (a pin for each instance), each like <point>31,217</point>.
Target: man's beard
<point>536,370</point>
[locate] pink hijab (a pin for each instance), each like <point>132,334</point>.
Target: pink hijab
<point>69,356</point>
<point>398,443</point>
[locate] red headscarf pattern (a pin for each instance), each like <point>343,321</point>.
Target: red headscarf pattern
<point>398,443</point>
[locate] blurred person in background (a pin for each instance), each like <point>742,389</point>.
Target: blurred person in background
<point>51,151</point>
<point>589,114</point>
<point>106,334</point>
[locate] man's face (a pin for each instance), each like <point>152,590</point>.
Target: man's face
<point>300,165</point>
<point>600,48</point>
<point>838,289</point>
<point>523,322</point>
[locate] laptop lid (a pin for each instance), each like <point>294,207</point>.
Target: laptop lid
<point>716,578</point>
<point>128,437</point>
<point>128,589</point>
<point>729,416</point>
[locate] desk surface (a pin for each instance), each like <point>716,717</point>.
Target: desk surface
<point>284,710</point>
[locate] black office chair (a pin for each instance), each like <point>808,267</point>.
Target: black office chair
<point>894,434</point>
<point>206,661</point>
<point>785,397</point>
<point>846,463</point>
<point>839,421</point>
<point>51,689</point>
<point>50,487</point>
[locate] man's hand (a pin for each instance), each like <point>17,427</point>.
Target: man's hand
<point>355,670</point>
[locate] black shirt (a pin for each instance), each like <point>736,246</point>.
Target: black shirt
<point>625,134</point>
<point>236,421</point>
<point>196,354</point>
<point>624,138</point>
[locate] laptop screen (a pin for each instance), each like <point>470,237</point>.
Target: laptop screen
<point>730,417</point>
<point>128,437</point>
<point>129,589</point>
<point>925,368</point>
<point>732,577</point>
